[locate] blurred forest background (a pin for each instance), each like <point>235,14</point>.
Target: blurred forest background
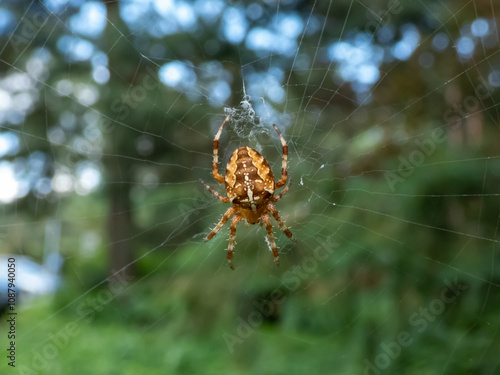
<point>390,108</point>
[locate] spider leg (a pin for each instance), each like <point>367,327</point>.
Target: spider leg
<point>270,207</point>
<point>229,212</point>
<point>278,197</point>
<point>236,218</point>
<point>219,197</point>
<point>215,166</point>
<point>282,182</point>
<point>270,236</point>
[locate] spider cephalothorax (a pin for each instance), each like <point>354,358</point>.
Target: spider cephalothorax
<point>250,187</point>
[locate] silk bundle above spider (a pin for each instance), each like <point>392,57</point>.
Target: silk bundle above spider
<point>250,187</point>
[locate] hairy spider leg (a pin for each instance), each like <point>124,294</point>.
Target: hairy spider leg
<point>231,210</point>
<point>270,207</point>
<point>270,235</point>
<point>282,182</point>
<point>215,168</point>
<point>218,196</point>
<point>236,218</point>
<point>278,197</point>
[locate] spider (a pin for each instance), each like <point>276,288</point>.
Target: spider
<point>250,187</point>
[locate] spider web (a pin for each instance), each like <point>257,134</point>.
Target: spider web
<point>359,164</point>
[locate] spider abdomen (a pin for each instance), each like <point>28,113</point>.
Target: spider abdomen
<point>249,180</point>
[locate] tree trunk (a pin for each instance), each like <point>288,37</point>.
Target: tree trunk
<point>118,142</point>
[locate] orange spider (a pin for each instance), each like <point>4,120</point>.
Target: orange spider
<point>250,187</point>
